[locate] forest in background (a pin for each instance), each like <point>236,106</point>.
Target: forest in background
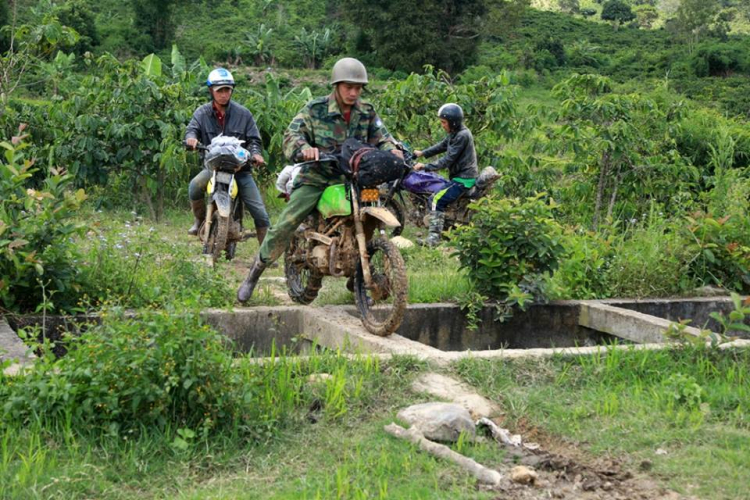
<point>636,135</point>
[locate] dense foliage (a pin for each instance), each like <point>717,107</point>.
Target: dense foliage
<point>39,264</point>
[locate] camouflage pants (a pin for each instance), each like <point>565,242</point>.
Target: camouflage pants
<point>302,202</point>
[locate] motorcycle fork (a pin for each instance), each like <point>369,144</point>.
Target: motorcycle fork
<point>361,240</point>
<point>207,223</point>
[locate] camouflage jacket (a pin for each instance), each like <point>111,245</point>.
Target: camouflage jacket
<point>321,124</point>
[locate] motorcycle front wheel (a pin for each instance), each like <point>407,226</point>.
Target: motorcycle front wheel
<point>382,307</point>
<point>217,236</point>
<point>302,282</point>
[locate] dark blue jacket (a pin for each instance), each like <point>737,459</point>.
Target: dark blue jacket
<point>460,156</point>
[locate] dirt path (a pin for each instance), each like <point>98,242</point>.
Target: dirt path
<point>566,472</point>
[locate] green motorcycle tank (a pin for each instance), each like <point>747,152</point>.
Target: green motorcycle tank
<point>335,201</point>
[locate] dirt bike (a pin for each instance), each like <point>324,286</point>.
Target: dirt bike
<point>343,238</point>
<point>408,198</point>
<point>222,228</point>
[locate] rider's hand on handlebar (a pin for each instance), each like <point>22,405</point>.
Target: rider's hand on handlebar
<point>191,142</point>
<point>418,153</point>
<point>398,152</point>
<point>258,160</point>
<point>310,154</point>
<point>418,166</point>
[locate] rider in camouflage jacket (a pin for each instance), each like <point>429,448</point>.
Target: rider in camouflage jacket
<point>321,127</point>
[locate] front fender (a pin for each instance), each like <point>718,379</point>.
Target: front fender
<point>382,214</point>
<point>223,203</point>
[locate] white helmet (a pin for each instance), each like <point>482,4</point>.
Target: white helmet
<point>220,78</point>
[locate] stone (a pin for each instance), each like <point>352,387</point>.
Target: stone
<point>451,389</point>
<point>402,242</point>
<point>439,421</point>
<point>523,475</point>
<point>318,378</point>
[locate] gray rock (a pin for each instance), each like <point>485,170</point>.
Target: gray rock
<point>451,389</point>
<point>439,421</point>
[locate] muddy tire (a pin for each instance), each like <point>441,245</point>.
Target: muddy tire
<point>302,283</point>
<point>390,292</point>
<point>398,211</point>
<point>217,237</point>
<point>231,250</point>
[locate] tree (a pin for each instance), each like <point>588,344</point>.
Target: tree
<point>693,19</point>
<point>154,19</point>
<point>408,34</point>
<point>258,45</point>
<point>570,6</point>
<point>76,14</point>
<point>646,15</point>
<point>617,11</point>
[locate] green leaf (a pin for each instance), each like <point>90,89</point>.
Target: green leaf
<point>178,61</point>
<point>151,65</point>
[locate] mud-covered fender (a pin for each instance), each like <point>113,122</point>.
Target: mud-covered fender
<point>223,202</point>
<point>382,214</point>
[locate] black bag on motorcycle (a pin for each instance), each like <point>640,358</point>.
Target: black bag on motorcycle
<point>369,166</point>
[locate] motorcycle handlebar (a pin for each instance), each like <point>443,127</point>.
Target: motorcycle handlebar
<point>198,147</point>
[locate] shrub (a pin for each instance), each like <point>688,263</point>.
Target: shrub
<point>163,369</point>
<point>38,265</point>
<point>720,249</point>
<point>582,273</point>
<point>509,245</point>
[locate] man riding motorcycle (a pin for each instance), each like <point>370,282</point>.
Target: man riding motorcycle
<point>460,160</point>
<point>321,127</point>
<point>222,116</point>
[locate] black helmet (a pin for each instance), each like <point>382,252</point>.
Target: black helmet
<point>453,114</point>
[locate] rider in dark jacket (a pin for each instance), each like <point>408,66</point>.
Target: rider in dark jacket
<point>222,116</point>
<point>460,159</point>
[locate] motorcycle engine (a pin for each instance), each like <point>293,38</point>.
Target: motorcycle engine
<point>320,256</point>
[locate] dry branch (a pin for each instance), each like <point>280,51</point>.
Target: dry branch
<point>482,473</point>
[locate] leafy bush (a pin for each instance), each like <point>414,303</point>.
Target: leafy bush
<point>720,249</point>
<point>582,272</point>
<point>163,369</point>
<point>39,265</point>
<point>509,245</point>
<point>720,60</point>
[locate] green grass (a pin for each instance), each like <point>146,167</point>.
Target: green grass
<point>691,403</point>
<point>624,404</point>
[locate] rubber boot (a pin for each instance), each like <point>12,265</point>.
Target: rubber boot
<point>248,286</point>
<point>260,233</point>
<point>199,212</point>
<point>437,219</point>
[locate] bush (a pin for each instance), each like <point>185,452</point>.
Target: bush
<point>721,250</point>
<point>509,245</point>
<point>39,264</point>
<point>720,60</point>
<point>163,369</point>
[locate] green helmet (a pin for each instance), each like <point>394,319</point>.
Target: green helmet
<point>348,70</point>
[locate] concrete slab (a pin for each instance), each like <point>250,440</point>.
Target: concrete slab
<point>624,323</point>
<point>12,348</point>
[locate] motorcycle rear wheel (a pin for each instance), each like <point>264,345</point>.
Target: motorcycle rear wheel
<point>389,274</point>
<point>302,282</point>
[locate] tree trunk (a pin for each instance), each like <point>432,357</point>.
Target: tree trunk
<point>603,171</point>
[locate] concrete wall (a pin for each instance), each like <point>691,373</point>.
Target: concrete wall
<point>444,327</point>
